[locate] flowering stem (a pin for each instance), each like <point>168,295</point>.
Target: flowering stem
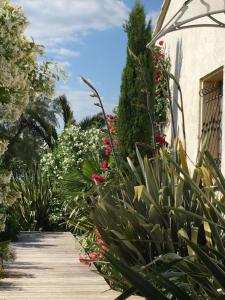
<point>100,104</point>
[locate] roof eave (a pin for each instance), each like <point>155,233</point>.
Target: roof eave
<point>162,15</point>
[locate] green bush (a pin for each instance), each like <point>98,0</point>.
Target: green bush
<point>33,207</point>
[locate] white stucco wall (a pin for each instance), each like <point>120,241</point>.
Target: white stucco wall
<point>194,53</point>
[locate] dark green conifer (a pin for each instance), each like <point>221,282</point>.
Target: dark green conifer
<point>135,125</point>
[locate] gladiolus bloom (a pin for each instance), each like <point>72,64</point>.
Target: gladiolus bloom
<point>98,178</point>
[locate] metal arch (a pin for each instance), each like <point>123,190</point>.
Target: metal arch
<point>175,25</point>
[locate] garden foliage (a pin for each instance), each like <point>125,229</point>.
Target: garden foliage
<point>22,78</point>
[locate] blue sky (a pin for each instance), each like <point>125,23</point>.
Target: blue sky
<point>87,38</point>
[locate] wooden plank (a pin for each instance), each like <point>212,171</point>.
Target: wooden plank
<point>47,267</point>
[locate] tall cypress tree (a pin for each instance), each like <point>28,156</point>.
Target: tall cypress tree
<point>134,124</point>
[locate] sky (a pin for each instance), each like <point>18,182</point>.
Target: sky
<point>86,37</point>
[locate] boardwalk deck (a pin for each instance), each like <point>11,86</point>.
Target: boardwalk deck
<point>47,267</point>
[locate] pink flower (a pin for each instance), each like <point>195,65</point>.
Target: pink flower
<point>100,241</point>
<point>161,43</point>
<point>116,142</point>
<point>93,255</point>
<point>97,233</point>
<point>84,261</point>
<point>101,255</point>
<point>106,141</point>
<point>104,247</point>
<point>98,178</point>
<point>105,165</point>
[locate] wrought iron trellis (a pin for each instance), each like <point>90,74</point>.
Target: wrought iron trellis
<point>212,120</point>
<point>188,13</point>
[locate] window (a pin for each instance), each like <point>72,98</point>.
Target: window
<point>211,100</point>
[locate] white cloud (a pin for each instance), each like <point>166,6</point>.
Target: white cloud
<point>64,52</point>
<point>153,15</point>
<point>54,22</point>
<point>64,63</point>
<point>83,105</point>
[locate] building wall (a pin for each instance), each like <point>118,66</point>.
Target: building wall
<point>194,53</point>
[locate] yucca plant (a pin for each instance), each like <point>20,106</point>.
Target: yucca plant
<point>167,226</point>
<point>36,198</point>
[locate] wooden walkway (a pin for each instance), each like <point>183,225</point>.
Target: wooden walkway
<point>47,267</point>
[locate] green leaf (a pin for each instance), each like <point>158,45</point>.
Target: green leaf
<point>138,281</point>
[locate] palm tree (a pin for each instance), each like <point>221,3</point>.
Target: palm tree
<point>62,105</point>
<point>96,120</point>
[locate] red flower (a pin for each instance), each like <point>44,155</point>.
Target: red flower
<point>98,178</point>
<point>116,142</point>
<point>160,139</point>
<point>106,141</point>
<point>93,255</point>
<point>157,74</point>
<point>107,151</point>
<point>110,117</point>
<point>101,255</point>
<point>161,43</point>
<point>84,261</point>
<point>105,165</point>
<point>104,247</point>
